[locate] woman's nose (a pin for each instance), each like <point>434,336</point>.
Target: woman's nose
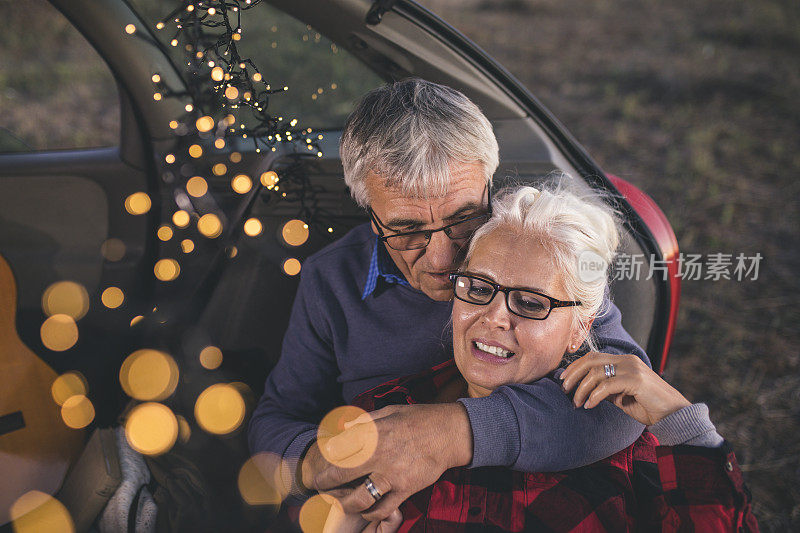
<point>496,313</point>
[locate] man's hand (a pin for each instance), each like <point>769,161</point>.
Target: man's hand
<point>415,445</point>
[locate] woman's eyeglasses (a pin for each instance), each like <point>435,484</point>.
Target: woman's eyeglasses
<point>522,302</point>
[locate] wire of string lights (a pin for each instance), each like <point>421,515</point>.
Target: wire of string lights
<point>222,84</point>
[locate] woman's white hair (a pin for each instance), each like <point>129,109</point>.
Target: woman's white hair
<point>409,132</point>
<point>578,230</point>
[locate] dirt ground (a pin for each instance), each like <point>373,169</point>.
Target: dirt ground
<point>696,103</point>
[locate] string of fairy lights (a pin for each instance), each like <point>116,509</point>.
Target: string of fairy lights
<point>218,78</point>
<point>227,101</point>
<point>228,104</point>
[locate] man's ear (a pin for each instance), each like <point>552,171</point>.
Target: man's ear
<point>579,336</point>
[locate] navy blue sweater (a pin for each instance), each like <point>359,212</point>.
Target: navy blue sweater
<point>339,345</point>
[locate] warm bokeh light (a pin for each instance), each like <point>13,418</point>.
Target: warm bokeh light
<point>113,249</point>
<point>37,512</point>
<point>187,245</point>
<point>184,430</point>
<point>195,151</point>
<point>167,269</point>
<point>210,225</point>
<point>347,448</point>
<point>196,186</point>
<point>130,29</point>
<point>149,375</point>
<point>151,428</point>
<point>217,74</point>
<point>219,169</point>
<point>112,297</point>
<point>138,203</point>
<point>173,124</point>
<point>164,233</point>
<point>204,124</point>
<point>181,218</point>
<point>257,76</point>
<point>232,252</point>
<point>77,411</point>
<point>231,93</point>
<point>260,480</point>
<point>313,514</point>
<point>211,357</point>
<point>253,227</point>
<point>219,409</point>
<point>269,179</point>
<point>235,157</point>
<point>59,333</point>
<point>291,266</point>
<point>219,144</point>
<point>69,384</point>
<point>169,158</point>
<point>135,320</point>
<point>242,183</point>
<point>295,232</point>
<point>247,393</point>
<point>66,298</point>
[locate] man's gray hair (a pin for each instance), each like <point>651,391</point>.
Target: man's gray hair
<point>573,227</point>
<point>409,132</point>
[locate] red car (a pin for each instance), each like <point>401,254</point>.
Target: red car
<point>108,219</point>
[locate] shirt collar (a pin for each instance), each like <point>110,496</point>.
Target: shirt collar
<point>381,265</point>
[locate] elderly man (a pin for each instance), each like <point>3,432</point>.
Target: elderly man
<point>375,305</point>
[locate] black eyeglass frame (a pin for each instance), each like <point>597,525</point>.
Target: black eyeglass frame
<point>506,290</point>
<point>427,232</point>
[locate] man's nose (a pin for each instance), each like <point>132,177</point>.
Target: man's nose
<point>441,252</point>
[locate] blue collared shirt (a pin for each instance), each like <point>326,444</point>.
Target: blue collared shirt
<point>381,265</point>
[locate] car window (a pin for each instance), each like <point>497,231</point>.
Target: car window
<point>324,80</point>
<point>55,90</point>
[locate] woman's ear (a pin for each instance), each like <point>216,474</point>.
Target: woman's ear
<point>579,335</point>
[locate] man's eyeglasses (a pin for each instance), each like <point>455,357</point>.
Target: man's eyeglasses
<point>415,240</point>
<point>522,302</point>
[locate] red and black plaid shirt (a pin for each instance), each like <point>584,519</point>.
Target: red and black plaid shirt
<point>644,487</point>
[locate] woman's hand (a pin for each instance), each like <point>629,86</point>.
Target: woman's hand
<point>635,388</point>
<point>340,522</point>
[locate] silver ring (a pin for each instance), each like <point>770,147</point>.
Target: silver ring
<point>610,370</point>
<point>373,491</point>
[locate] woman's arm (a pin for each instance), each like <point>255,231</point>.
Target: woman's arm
<point>702,487</point>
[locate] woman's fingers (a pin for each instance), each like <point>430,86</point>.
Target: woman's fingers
<point>383,509</point>
<point>392,523</point>
<point>590,381</point>
<point>634,387</point>
<point>576,371</point>
<point>588,372</point>
<point>605,389</point>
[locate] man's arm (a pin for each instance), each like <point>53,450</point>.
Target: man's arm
<point>533,428</point>
<point>536,428</point>
<point>301,388</point>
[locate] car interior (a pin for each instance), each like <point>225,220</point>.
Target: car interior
<point>63,214</point>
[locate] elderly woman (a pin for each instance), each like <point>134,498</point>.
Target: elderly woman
<point>522,312</point>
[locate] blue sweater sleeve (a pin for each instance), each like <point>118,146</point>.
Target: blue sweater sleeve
<point>301,388</point>
<point>536,428</point>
